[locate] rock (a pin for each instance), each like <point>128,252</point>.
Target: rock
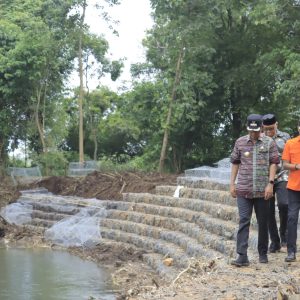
<point>118,264</point>
<point>168,262</point>
<point>286,292</point>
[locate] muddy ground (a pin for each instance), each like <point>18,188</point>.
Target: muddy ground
<point>133,279</point>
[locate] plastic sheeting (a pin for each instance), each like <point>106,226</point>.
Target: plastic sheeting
<point>24,175</point>
<point>83,169</point>
<point>177,191</point>
<point>78,219</point>
<point>17,213</point>
<point>220,172</point>
<point>82,229</point>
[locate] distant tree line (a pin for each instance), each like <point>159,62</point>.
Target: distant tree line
<point>209,64</point>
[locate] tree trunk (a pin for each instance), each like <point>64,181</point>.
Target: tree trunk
<point>37,120</point>
<point>177,160</point>
<point>95,140</point>
<point>81,88</point>
<point>237,124</point>
<point>163,153</point>
<point>40,124</point>
<point>2,166</point>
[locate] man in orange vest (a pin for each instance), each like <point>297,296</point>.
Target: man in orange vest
<point>291,162</point>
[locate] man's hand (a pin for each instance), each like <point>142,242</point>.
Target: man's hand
<point>233,190</point>
<point>269,191</point>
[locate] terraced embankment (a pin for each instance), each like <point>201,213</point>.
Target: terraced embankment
<point>200,223</point>
<point>196,230</point>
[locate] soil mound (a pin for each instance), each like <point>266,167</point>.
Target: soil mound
<point>8,191</point>
<point>107,186</point>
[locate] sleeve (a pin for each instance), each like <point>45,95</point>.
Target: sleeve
<point>273,154</point>
<point>235,157</point>
<point>286,152</point>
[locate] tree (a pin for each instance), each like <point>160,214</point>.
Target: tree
<point>97,46</point>
<point>239,57</point>
<point>178,37</point>
<point>34,59</point>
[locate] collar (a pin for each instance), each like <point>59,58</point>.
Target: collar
<point>259,138</point>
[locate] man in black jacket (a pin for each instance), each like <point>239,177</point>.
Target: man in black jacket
<point>270,128</point>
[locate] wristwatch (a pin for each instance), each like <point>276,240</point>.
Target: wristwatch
<point>271,181</point>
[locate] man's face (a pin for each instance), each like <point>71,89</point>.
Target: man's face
<point>270,130</point>
<point>254,135</point>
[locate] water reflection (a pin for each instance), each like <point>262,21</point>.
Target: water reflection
<point>43,274</point>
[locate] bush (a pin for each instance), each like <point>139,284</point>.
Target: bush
<point>51,163</point>
<point>134,164</point>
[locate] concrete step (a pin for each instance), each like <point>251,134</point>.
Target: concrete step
<point>181,259</point>
<point>42,223</point>
<point>226,229</point>
<point>222,197</point>
<point>153,260</point>
<point>50,205</point>
<point>190,245</point>
<point>210,173</point>
<point>208,222</point>
<point>196,182</point>
<point>54,216</point>
<point>204,237</point>
<point>40,190</point>
<point>184,229</point>
<point>217,210</point>
<point>35,229</point>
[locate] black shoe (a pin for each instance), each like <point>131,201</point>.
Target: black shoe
<point>291,257</point>
<point>241,261</point>
<point>263,259</point>
<point>274,248</point>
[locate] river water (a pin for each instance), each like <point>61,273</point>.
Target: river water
<point>44,274</point>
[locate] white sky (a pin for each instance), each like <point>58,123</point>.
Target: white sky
<point>134,19</point>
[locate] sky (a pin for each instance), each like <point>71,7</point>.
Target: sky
<point>134,18</point>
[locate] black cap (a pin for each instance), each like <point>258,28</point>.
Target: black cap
<point>254,122</point>
<point>269,119</point>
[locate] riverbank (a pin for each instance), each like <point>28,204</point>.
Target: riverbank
<point>202,279</point>
<point>130,275</point>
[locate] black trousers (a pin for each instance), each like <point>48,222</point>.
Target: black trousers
<point>293,215</point>
<point>282,201</point>
<point>245,207</point>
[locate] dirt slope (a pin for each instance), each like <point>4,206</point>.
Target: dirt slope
<point>107,186</point>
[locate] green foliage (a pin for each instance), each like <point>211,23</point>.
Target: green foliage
<point>51,163</point>
<point>34,59</point>
<point>16,162</point>
<point>125,163</point>
<point>239,57</point>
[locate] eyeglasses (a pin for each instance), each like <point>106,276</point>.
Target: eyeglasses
<point>269,128</point>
